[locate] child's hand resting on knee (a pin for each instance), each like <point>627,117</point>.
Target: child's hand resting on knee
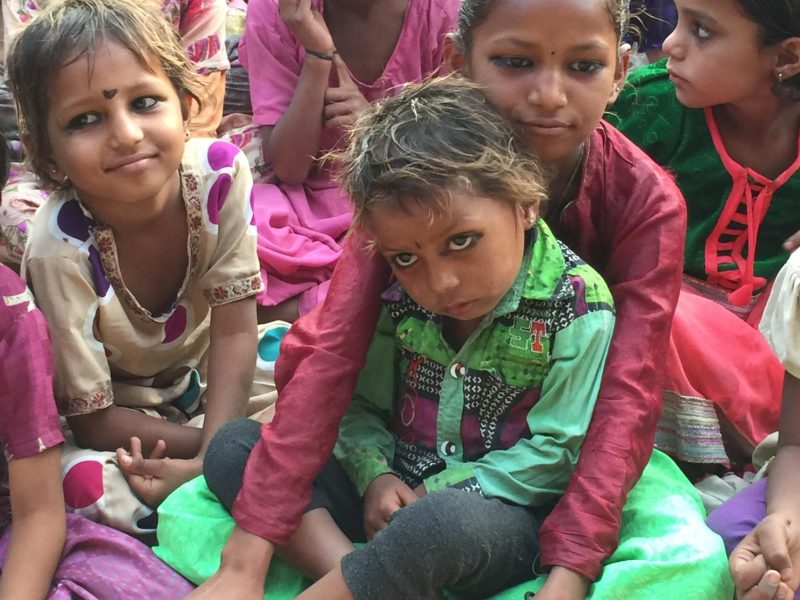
<point>155,478</point>
<point>386,494</point>
<point>762,563</point>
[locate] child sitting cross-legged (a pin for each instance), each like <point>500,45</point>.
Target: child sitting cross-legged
<point>481,378</point>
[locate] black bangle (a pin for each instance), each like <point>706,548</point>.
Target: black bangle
<point>322,55</point>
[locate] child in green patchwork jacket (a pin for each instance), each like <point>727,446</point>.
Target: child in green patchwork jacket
<point>481,379</point>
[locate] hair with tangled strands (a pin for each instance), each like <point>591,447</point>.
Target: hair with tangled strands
<point>68,30</point>
<point>431,141</point>
<point>473,13</point>
<point>778,20</point>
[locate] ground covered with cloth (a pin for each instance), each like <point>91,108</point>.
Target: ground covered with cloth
<point>665,550</point>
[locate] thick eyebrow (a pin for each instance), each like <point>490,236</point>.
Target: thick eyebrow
<point>592,45</point>
<point>700,15</point>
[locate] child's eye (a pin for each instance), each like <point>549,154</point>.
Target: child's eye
<point>83,120</point>
<point>586,66</point>
<point>511,62</point>
<point>145,103</point>
<point>700,32</point>
<point>462,241</point>
<point>403,260</point>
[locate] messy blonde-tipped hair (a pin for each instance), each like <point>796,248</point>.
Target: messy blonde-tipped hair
<point>431,141</point>
<point>68,30</point>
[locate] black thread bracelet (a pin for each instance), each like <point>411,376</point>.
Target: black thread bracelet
<point>322,55</point>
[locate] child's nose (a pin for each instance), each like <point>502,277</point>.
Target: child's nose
<point>672,45</point>
<point>548,90</point>
<point>443,280</point>
<point>125,130</point>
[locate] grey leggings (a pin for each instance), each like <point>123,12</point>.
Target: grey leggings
<point>461,541</point>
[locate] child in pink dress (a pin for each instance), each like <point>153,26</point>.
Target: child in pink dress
<point>311,72</point>
<point>45,554</point>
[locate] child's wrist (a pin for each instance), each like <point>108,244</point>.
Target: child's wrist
<point>321,55</point>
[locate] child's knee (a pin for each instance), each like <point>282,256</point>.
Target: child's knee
<point>226,458</point>
<point>449,518</point>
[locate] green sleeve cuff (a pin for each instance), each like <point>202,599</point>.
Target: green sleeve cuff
<point>363,464</point>
<point>450,477</point>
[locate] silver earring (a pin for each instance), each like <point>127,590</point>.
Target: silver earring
<point>780,77</point>
<point>57,175</point>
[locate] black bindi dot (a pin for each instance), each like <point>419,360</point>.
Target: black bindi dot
<point>552,53</point>
<point>109,94</point>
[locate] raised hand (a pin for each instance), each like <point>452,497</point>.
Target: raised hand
<point>344,103</point>
<point>306,24</point>
<point>386,494</point>
<point>156,477</point>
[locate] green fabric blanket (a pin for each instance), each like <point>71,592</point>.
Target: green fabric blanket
<point>665,551</point>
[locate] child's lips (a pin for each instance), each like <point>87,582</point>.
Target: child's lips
<point>547,127</point>
<point>457,309</point>
<point>134,162</point>
<point>675,78</point>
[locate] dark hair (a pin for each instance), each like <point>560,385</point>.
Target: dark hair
<point>4,160</point>
<point>778,20</point>
<point>68,30</point>
<point>474,12</point>
<point>431,139</point>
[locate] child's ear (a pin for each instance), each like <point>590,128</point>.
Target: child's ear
<point>529,215</point>
<point>55,172</point>
<point>620,72</point>
<point>787,64</point>
<point>453,54</point>
<point>187,102</point>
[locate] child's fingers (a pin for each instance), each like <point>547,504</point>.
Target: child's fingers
<point>337,109</point>
<point>406,496</point>
<point>768,588</point>
<point>342,73</point>
<point>775,550</point>
<point>792,243</point>
<point>159,450</point>
<point>136,447</point>
<point>747,570</point>
<point>769,584</point>
<point>340,122</point>
<point>337,94</point>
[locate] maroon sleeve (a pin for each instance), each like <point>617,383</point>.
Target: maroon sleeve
<point>316,373</point>
<point>28,416</point>
<point>641,232</point>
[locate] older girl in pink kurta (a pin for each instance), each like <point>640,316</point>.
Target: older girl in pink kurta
<point>300,226</point>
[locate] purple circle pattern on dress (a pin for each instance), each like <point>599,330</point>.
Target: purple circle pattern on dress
<point>101,283</point>
<point>175,325</point>
<point>217,195</point>
<point>72,222</point>
<point>221,155</point>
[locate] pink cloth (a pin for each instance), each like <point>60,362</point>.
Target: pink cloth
<point>300,227</point>
<point>99,563</point>
<point>714,354</point>
<point>28,417</point>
